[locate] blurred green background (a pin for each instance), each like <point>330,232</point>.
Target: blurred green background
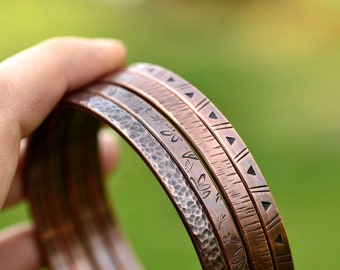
<point>272,67</point>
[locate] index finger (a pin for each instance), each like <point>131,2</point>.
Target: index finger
<point>33,82</point>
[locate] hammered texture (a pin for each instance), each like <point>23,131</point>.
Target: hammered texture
<point>189,163</point>
<point>194,152</point>
<point>168,174</point>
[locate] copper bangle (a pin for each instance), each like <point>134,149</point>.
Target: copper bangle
<point>190,165</point>
<point>194,152</point>
<point>239,155</point>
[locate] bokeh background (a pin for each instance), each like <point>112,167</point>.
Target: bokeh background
<point>272,67</point>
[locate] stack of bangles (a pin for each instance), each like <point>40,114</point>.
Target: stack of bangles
<point>194,152</point>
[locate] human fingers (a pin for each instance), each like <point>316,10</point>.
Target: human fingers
<point>19,248</point>
<point>108,154</point>
<point>32,83</point>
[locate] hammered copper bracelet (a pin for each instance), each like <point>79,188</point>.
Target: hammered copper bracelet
<point>197,156</point>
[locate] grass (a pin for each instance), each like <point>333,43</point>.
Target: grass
<point>272,69</point>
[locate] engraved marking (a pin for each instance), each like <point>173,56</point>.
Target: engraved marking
<point>239,260</point>
<point>211,139</point>
<point>290,263</point>
<point>190,95</point>
<point>112,90</point>
<point>207,137</point>
<point>212,115</point>
<point>135,105</point>
<point>241,157</point>
<point>205,104</point>
<point>279,240</point>
<point>184,86</point>
<point>249,215</point>
<point>251,171</point>
<point>266,205</point>
<point>188,165</point>
<point>189,155</point>
<point>271,224</point>
<point>148,110</point>
<point>258,231</point>
<point>262,186</point>
<point>244,149</point>
<point>220,170</point>
<point>284,256</point>
<point>201,186</point>
<point>173,135</point>
<point>201,102</point>
<point>217,154</point>
<point>171,79</point>
<point>156,118</point>
<point>218,197</point>
<point>221,126</point>
<point>285,259</point>
<point>237,182</point>
<point>260,191</point>
<point>250,210</point>
<point>230,140</point>
<point>220,221</point>
<point>226,161</point>
<point>254,223</point>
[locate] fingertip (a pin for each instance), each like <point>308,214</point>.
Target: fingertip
<point>91,58</point>
<point>116,47</point>
<point>108,150</point>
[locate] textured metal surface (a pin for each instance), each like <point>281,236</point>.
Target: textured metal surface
<point>216,160</point>
<point>168,173</point>
<point>192,149</point>
<point>159,160</point>
<point>69,205</point>
<point>189,164</point>
<point>238,154</point>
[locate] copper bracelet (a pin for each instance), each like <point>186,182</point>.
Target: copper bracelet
<point>194,152</point>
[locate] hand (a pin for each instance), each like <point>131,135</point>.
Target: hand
<point>31,84</point>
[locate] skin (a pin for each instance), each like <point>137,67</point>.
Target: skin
<point>31,84</point>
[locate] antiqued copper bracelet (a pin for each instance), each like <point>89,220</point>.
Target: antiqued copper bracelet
<point>194,152</point>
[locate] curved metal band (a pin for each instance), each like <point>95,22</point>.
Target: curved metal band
<point>71,247</point>
<point>196,155</point>
<point>190,165</point>
<point>69,205</point>
<point>240,180</point>
<point>218,163</point>
<point>237,152</point>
